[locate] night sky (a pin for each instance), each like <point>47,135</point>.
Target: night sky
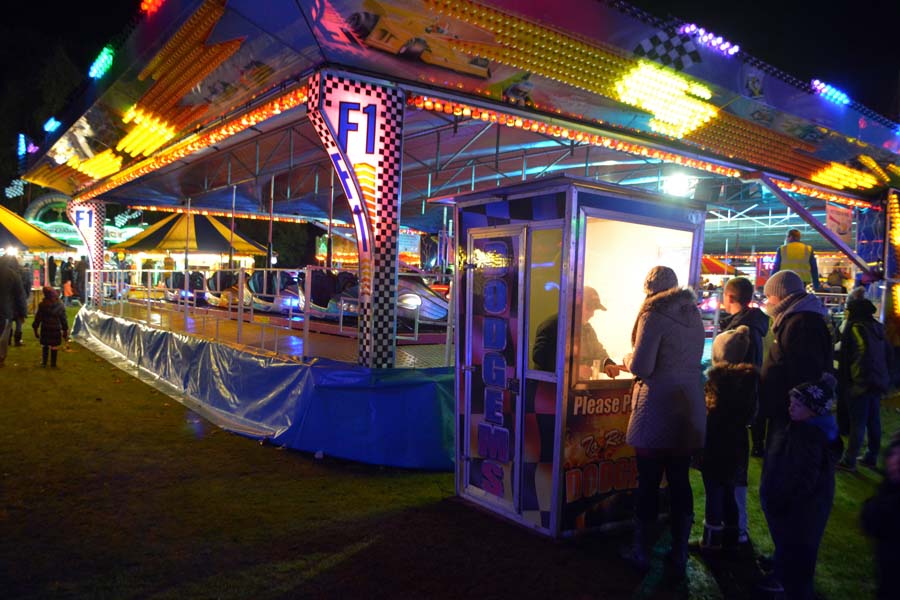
<point>851,45</point>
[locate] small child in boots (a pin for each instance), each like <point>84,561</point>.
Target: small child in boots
<point>731,403</point>
<point>50,325</point>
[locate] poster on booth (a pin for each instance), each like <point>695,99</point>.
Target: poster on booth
<point>599,468</point>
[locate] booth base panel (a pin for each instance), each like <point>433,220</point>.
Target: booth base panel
<point>392,417</point>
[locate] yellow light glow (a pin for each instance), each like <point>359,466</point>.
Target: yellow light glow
<point>149,134</point>
<point>676,103</point>
<point>840,176</point>
<point>197,142</point>
<point>98,166</point>
<point>869,163</point>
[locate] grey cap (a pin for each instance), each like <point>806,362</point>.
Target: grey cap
<point>660,279</point>
<point>783,284</point>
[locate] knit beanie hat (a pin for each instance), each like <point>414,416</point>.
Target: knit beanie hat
<point>817,396</point>
<point>660,279</point>
<point>783,284</point>
<point>49,292</point>
<point>731,346</point>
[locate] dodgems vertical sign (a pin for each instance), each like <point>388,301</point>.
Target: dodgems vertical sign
<point>493,410</point>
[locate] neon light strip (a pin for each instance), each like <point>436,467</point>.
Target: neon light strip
<point>457,109</point>
<point>198,142</point>
<point>206,212</point>
<point>805,190</point>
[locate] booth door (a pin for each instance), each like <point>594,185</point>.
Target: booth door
<point>493,394</point>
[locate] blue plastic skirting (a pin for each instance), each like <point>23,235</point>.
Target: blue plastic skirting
<point>395,417</point>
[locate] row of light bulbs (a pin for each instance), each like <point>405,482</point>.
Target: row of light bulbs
<point>459,109</point>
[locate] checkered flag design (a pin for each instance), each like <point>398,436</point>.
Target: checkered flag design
<point>673,50</point>
<point>377,310</point>
<point>95,246</point>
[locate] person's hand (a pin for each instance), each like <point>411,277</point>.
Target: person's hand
<point>36,334</point>
<point>584,372</point>
<point>612,370</point>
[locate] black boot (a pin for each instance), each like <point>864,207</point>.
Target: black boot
<point>681,532</point>
<point>638,553</point>
<point>53,354</point>
<point>45,350</point>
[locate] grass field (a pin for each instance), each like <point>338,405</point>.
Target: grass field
<point>110,489</point>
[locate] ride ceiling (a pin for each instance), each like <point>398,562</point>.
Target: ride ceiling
<point>597,66</point>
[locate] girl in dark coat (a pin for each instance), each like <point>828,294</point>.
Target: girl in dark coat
<point>731,390</point>
<point>50,325</point>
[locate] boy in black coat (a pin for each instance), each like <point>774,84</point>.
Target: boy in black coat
<point>731,389</point>
<point>881,520</point>
<point>797,486</point>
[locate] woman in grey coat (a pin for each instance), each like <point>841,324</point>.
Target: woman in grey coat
<point>668,419</point>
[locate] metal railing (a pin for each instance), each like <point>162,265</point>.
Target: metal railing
<point>221,306</point>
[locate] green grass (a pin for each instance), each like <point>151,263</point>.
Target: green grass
<point>109,489</point>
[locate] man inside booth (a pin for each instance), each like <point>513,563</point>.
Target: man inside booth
<point>590,348</point>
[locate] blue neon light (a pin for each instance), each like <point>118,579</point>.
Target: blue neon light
<point>51,125</point>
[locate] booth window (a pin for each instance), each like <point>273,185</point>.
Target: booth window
<point>617,257</point>
<point>545,253</point>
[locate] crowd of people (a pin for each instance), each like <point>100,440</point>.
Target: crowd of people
<point>782,379</point>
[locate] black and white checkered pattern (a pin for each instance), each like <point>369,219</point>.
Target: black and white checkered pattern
<point>673,50</point>
<point>95,245</point>
<point>378,269</point>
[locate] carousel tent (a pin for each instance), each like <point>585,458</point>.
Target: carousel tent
<point>713,266</point>
<point>191,233</point>
<point>16,232</point>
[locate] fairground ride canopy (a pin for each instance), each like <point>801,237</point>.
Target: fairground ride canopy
<point>207,100</point>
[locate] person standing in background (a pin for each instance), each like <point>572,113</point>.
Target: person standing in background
<point>80,276</point>
<point>12,301</point>
<point>51,271</point>
<point>798,257</point>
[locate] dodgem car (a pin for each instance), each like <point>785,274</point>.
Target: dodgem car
<point>194,294</point>
<point>222,290</point>
<point>276,292</point>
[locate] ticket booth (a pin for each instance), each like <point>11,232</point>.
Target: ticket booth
<point>550,280</point>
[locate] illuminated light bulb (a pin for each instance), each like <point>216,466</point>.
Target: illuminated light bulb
<point>102,63</point>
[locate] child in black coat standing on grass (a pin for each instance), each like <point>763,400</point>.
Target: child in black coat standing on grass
<point>731,398</point>
<point>881,520</point>
<point>50,325</point>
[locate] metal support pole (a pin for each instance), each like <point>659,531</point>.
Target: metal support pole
<point>307,290</point>
<point>231,239</point>
<point>149,311</point>
<point>329,247</point>
<point>826,233</point>
<point>240,306</point>
<point>271,221</point>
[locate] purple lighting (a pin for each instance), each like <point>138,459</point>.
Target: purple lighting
<point>709,39</point>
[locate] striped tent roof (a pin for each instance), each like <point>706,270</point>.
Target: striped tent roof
<point>194,233</point>
<point>18,233</point>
